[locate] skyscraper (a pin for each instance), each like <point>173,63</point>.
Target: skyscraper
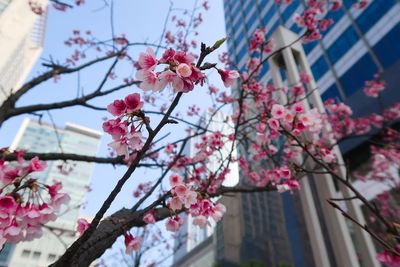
<point>21,41</point>
<point>195,247</point>
<point>42,137</point>
<point>360,43</point>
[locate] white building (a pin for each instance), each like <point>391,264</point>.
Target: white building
<point>41,137</point>
<point>195,247</point>
<point>21,42</point>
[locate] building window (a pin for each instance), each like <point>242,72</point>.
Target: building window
<point>36,255</point>
<point>373,13</point>
<point>319,68</point>
<point>51,257</point>
<point>25,253</point>
<point>289,11</point>
<point>342,44</point>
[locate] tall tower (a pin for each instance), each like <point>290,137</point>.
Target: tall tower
<point>195,246</point>
<point>360,43</point>
<point>43,138</point>
<point>21,41</point>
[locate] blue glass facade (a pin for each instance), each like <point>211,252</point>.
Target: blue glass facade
<point>353,41</point>
<point>359,44</point>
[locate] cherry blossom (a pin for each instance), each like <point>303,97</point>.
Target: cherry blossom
<point>82,226</point>
<point>22,218</point>
<point>228,76</point>
<point>132,243</point>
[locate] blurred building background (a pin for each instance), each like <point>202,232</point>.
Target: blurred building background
<point>34,136</point>
<point>21,42</point>
<point>269,228</point>
<point>193,246</point>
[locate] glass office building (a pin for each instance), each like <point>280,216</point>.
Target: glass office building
<point>45,138</point>
<point>359,44</point>
<point>22,34</point>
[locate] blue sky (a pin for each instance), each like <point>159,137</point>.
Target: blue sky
<point>140,21</point>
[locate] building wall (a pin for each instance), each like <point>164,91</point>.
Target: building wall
<point>359,44</point>
<point>194,246</point>
<point>42,137</point>
<point>41,252</point>
<point>21,42</point>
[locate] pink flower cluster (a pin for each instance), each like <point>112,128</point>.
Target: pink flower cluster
<point>258,39</point>
<point>25,203</point>
<point>384,165</point>
<point>131,243</point>
<point>389,259</point>
<point>339,115</point>
<point>374,87</point>
<point>180,72</point>
<point>200,208</point>
<point>313,17</point>
<point>127,137</point>
<point>82,226</point>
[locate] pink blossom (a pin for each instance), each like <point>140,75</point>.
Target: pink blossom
<point>228,76</point>
<point>175,180</point>
<point>200,221</point>
<point>172,224</point>
<point>184,70</point>
<point>13,231</point>
<point>182,57</point>
<point>190,198</point>
<point>360,4</point>
<point>373,88</point>
<point>120,147</point>
<point>324,24</point>
<point>60,199</point>
<point>7,203</point>
<point>281,188</point>
<point>148,61</point>
<point>298,107</point>
<point>32,212</point>
<point>117,108</point>
<point>288,117</point>
<point>277,111</point>
<point>180,190</point>
<point>116,127</point>
<point>53,189</point>
<point>305,77</point>
<point>336,4</point>
<point>218,211</point>
<point>35,165</point>
<point>389,259</point>
<point>150,81</point>
<point>82,226</point>
<point>175,204</point>
<point>293,184</point>
<point>168,55</point>
<point>133,102</point>
<point>273,124</point>
<point>285,172</point>
<point>169,148</point>
<point>32,232</point>
<point>132,243</point>
<point>258,39</point>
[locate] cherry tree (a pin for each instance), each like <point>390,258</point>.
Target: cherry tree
<point>274,139</point>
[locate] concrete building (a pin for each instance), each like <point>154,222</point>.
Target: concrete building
<point>360,43</point>
<point>21,42</point>
<point>42,137</point>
